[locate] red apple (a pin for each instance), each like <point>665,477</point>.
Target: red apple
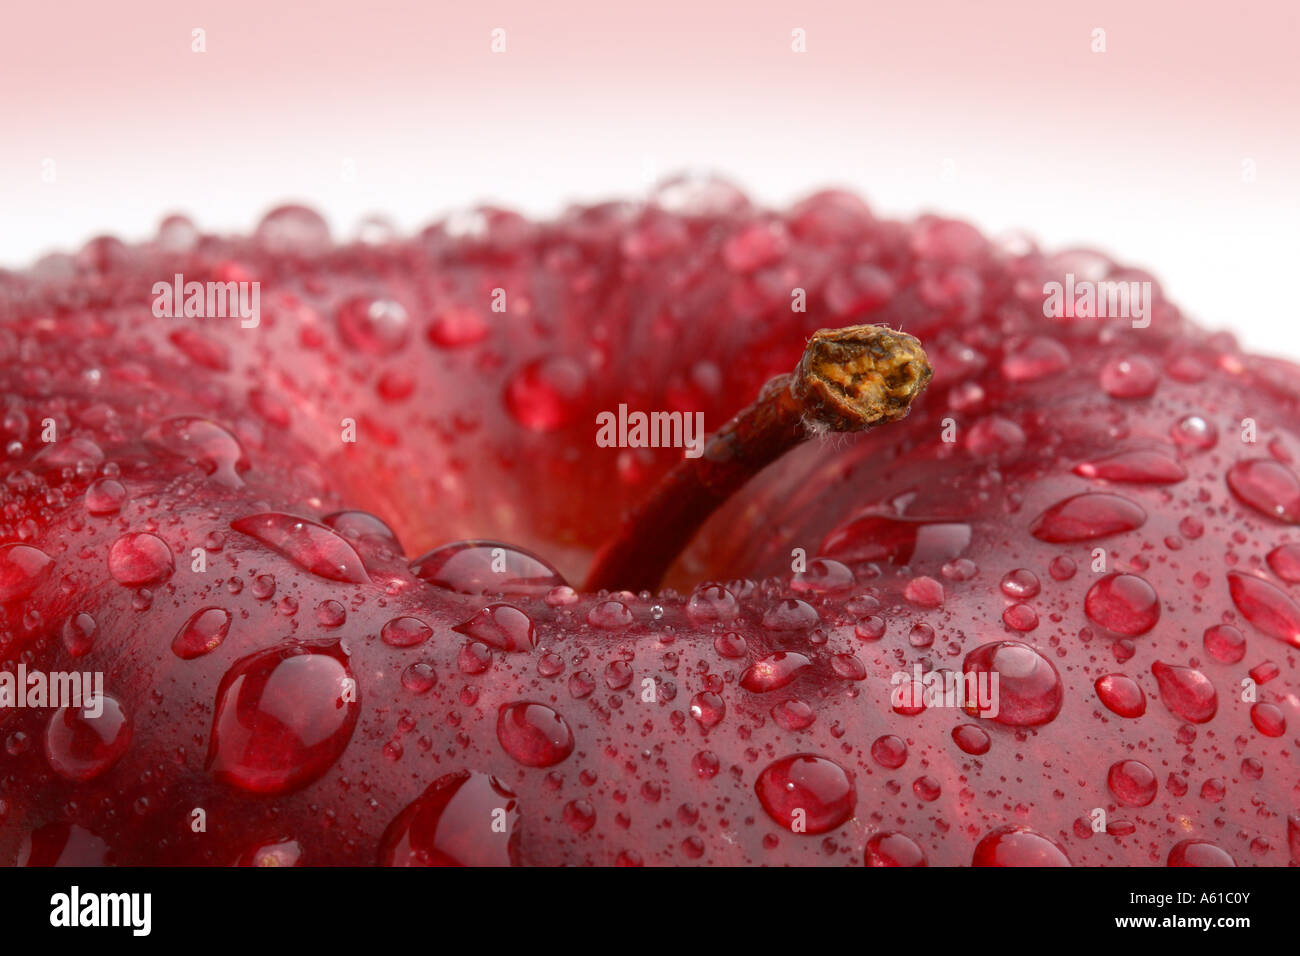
<point>278,543</point>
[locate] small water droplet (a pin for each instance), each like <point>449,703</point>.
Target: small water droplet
<point>405,632</point>
<point>202,633</point>
<point>1268,486</point>
<point>81,746</point>
<point>1132,782</point>
<point>773,672</point>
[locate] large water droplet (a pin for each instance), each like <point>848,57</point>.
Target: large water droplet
<point>773,672</point>
<point>462,819</point>
<point>81,745</point>
<point>1199,853</point>
<point>806,793</point>
<point>1186,692</point>
<point>205,444</point>
<point>140,558</point>
<point>1135,377</point>
<point>313,547</point>
<point>1284,561</point>
<point>202,633</point>
<point>790,614</point>
<point>1087,516</point>
<point>708,709</point>
<point>1268,486</point>
<point>1121,695</point>
<point>502,626</point>
<point>1265,606</point>
<point>1123,603</point>
<point>293,230</point>
<point>534,734</point>
<point>283,717</point>
<point>405,632</point>
<point>1137,467</point>
<point>893,849</point>
<point>486,567</point>
<point>1028,690</point>
<point>1224,643</point>
<point>22,568</point>
<point>710,603</point>
<point>1132,782</point>
<point>1018,846</point>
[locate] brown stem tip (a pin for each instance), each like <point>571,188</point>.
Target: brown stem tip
<point>848,380</point>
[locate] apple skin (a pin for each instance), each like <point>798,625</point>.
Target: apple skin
<point>342,704</point>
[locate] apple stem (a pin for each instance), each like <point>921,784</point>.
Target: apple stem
<point>847,380</point>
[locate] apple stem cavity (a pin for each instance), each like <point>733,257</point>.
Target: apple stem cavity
<point>847,380</point>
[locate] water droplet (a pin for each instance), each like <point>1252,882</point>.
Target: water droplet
<point>62,844</point>
<point>1268,719</point>
<point>708,709</point>
<point>486,567</point>
<point>278,852</point>
<point>1225,643</point>
<point>1062,568</point>
<point>1194,433</point>
<point>730,645</point>
<point>1123,603</point>
<point>419,677</point>
<point>1121,695</point>
<point>311,546</point>
<point>1199,853</point>
<point>202,633</point>
<point>1265,606</point>
<point>1021,584</point>
<point>1137,467</point>
<point>105,496</point>
<point>373,326</point>
<point>534,734</point>
<point>1036,359</point>
<point>1186,692</point>
<point>331,614</point>
<point>1087,516</point>
<point>893,849</point>
<point>971,739</point>
<point>205,444</point>
<point>773,672</point>
<point>22,568</point>
<point>710,603</point>
<point>870,628</point>
<point>823,576</point>
<point>924,592</point>
<point>1268,486</point>
<point>474,658</point>
<point>927,788</point>
<point>283,717</point>
<point>140,558</point>
<point>457,326</point>
<point>580,815</point>
<point>292,229</point>
<point>1020,617</point>
<point>1135,377</point>
<point>462,819</point>
<point>406,632</point>
<point>1028,690</point>
<point>899,542</point>
<point>790,614</point>
<point>81,746</point>
<point>793,715</point>
<point>889,751</point>
<point>610,616</point>
<point>1284,561</point>
<point>806,793</point>
<point>503,626</point>
<point>1132,782</point>
<point>79,634</point>
<point>546,393</point>
<point>848,667</point>
<point>1018,846</point>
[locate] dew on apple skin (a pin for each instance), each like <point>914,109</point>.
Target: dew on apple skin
<point>313,547</point>
<point>546,393</point>
<point>1018,846</point>
<point>535,735</point>
<point>1266,607</point>
<point>457,326</point>
<point>292,229</point>
<point>971,739</point>
<point>1123,604</point>
<point>1192,433</point>
<point>1187,692</point>
<point>202,633</point>
<point>1143,467</point>
<point>22,568</point>
<point>807,794</point>
<point>1132,783</point>
<point>283,716</point>
<point>1087,516</point>
<point>80,747</point>
<point>1268,486</point>
<point>708,709</point>
<point>463,819</point>
<point>283,851</point>
<point>893,849</point>
<point>790,614</point>
<point>773,672</point>
<point>204,443</point>
<point>502,626</point>
<point>487,567</point>
<point>889,751</point>
<point>1121,694</point>
<point>79,632</point>
<point>1029,689</point>
<point>793,715</point>
<point>140,558</point>
<point>1199,853</point>
<point>105,496</point>
<point>1130,377</point>
<point>1268,719</point>
<point>1225,643</point>
<point>405,631</point>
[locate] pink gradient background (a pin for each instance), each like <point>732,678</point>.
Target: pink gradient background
<point>1138,150</point>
